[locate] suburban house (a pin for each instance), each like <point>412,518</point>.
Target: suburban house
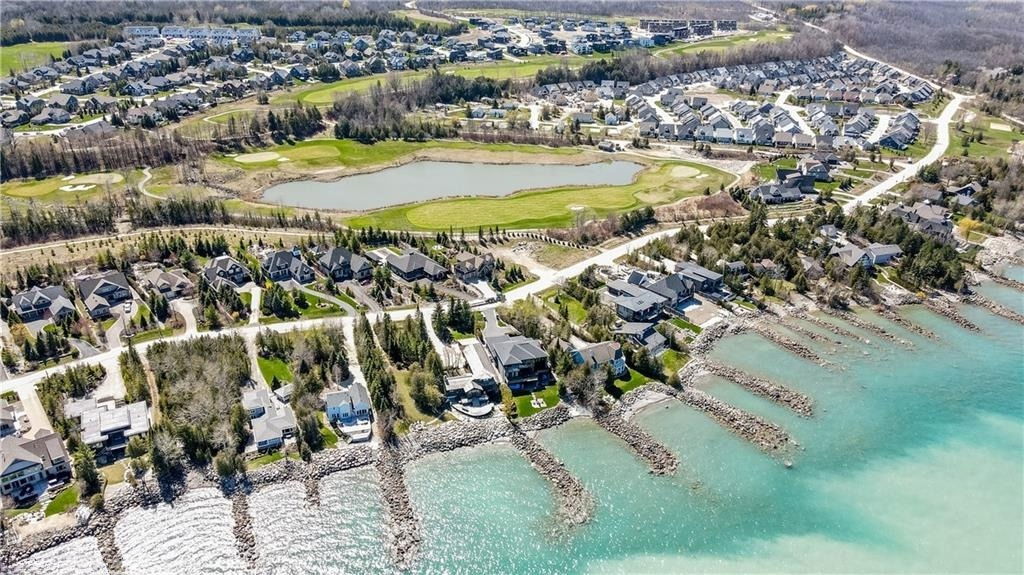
<point>413,265</point>
<point>705,281</point>
<point>42,303</point>
<point>468,394</point>
<point>271,422</point>
<point>642,334</point>
<point>223,270</point>
<point>8,419</point>
<point>470,267</point>
<point>103,291</point>
<point>348,406</point>
<point>170,284</point>
<point>284,265</point>
<point>598,356</point>
<point>851,256</point>
<point>633,302</point>
<point>810,167</point>
<point>24,463</point>
<point>341,264</point>
<point>521,361</point>
<point>880,254</point>
<point>926,218</point>
<point>107,427</point>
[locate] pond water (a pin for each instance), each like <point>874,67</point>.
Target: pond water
<point>422,181</point>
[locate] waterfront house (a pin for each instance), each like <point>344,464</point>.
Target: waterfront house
<point>642,334</point>
<point>101,292</point>
<point>42,303</point>
<point>285,265</point>
<point>851,256</point>
<point>468,394</point>
<point>27,463</point>
<point>106,427</point>
<point>348,406</point>
<point>223,270</point>
<point>340,264</point>
<point>880,254</point>
<point>413,265</point>
<point>599,356</point>
<point>705,281</point>
<point>633,302</point>
<point>272,422</point>
<point>521,361</point>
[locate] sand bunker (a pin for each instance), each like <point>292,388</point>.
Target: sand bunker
<point>77,188</point>
<point>67,178</point>
<point>99,179</point>
<point>685,172</point>
<point>257,157</point>
<point>1000,127</point>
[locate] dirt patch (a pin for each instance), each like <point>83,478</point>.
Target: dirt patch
<point>685,172</point>
<point>257,157</point>
<point>720,205</point>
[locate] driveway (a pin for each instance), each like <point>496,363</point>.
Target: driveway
<point>120,319</point>
<point>187,310</point>
<point>85,349</point>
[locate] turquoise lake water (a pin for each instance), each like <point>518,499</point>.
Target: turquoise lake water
<point>914,462</point>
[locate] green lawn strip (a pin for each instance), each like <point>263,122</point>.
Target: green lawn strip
<point>549,394</point>
<point>19,510</point>
<point>672,361</point>
<point>683,324</point>
<point>577,313</point>
<point>113,473</point>
<point>271,367</point>
<point>411,412</point>
<point>29,55</point>
<point>548,208</point>
<point>530,278</point>
<point>349,300</point>
<point>265,459</point>
<point>246,298</point>
<point>728,42</point>
<point>330,437</point>
<point>152,334</point>
<point>634,380</point>
<point>64,501</point>
<point>313,310</point>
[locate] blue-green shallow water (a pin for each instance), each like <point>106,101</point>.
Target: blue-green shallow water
<point>913,463</point>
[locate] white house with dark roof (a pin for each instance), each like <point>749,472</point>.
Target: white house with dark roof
<point>101,292</point>
<point>272,422</point>
<point>284,265</point>
<point>171,284</point>
<point>341,264</point>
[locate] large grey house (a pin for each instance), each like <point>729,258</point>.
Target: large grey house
<point>42,303</point>
<point>341,264</point>
<point>521,361</point>
<point>225,270</point>
<point>284,265</point>
<point>103,291</point>
<point>413,265</point>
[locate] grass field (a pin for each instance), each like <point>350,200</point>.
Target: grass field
<point>672,361</point>
<point>729,42</point>
<point>81,188</point>
<point>23,56</point>
<point>64,501</point>
<point>577,313</point>
<point>317,307</point>
<point>994,143</point>
<point>274,367</point>
<point>547,208</point>
<point>549,394</point>
<point>634,380</point>
<point>324,94</point>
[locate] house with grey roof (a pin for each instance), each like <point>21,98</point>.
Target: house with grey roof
<point>225,270</point>
<point>8,418</point>
<point>413,265</point>
<point>340,264</point>
<point>42,303</point>
<point>851,256</point>
<point>272,422</point>
<point>705,281</point>
<point>470,267</point>
<point>642,334</point>
<point>880,254</point>
<point>106,426</point>
<point>101,292</point>
<point>599,356</point>
<point>27,463</point>
<point>284,265</point>
<point>522,363</point>
<point>171,284</point>
<point>348,406</point>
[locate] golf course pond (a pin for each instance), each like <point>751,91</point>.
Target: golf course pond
<point>430,180</point>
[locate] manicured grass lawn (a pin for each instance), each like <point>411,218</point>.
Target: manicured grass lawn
<point>673,361</point>
<point>721,44</point>
<point>577,313</point>
<point>265,459</point>
<point>683,324</point>
<point>64,501</point>
<point>549,394</point>
<point>246,298</point>
<point>412,413</point>
<point>152,334</point>
<point>29,55</point>
<point>49,190</point>
<point>348,299</point>
<point>528,279</point>
<point>632,380</point>
<point>330,438</point>
<point>994,143</point>
<point>271,367</point>
<point>548,208</point>
<point>313,310</point>
<point>19,510</point>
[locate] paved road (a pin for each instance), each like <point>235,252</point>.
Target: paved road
<point>908,172</point>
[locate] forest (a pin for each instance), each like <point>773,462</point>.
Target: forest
<point>67,20</point>
<point>608,9</point>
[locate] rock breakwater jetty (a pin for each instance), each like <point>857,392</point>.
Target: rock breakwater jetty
<point>797,349</point>
<point>996,309</point>
<point>425,439</point>
<point>576,505</point>
<point>1005,281</point>
<point>946,310</point>
<point>403,523</point>
<point>109,550</point>
<point>852,319</point>
<point>658,457</point>
<point>809,334</point>
<point>245,538</point>
<point>766,435</point>
<point>831,327</point>
<point>895,317</point>
<point>775,392</point>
